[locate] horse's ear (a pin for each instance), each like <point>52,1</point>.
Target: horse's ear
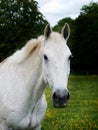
<point>66,31</point>
<point>47,31</point>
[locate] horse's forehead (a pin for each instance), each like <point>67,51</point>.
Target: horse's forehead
<point>56,48</point>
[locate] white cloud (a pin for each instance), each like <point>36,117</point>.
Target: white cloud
<point>54,10</point>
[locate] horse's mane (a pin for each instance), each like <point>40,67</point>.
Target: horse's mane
<point>31,47</point>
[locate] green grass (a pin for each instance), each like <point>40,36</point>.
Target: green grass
<point>82,110</point>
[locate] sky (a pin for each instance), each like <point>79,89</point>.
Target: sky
<point>55,10</point>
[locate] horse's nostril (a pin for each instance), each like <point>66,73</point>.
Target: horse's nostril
<point>60,98</point>
<point>55,97</point>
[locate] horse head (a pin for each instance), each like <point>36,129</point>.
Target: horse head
<point>56,64</point>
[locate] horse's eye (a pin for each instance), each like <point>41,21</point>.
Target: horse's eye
<point>45,57</point>
<point>70,57</point>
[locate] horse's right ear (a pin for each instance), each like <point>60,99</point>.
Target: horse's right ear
<point>47,31</point>
<point>66,31</point>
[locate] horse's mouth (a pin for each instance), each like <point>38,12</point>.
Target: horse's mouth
<point>60,98</point>
<point>57,105</point>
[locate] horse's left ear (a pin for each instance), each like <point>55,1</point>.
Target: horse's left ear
<point>66,31</point>
<point>47,31</point>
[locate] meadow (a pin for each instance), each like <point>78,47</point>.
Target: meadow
<point>82,110</point>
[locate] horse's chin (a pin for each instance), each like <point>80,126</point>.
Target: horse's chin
<point>56,105</point>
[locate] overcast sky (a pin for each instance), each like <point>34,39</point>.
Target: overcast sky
<point>54,10</point>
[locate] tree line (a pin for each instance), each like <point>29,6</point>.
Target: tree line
<point>21,20</point>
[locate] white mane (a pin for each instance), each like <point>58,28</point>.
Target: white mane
<point>24,52</point>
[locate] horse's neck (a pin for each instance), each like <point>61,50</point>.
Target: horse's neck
<point>25,81</point>
<point>37,93</point>
<point>35,82</point>
<point>33,69</point>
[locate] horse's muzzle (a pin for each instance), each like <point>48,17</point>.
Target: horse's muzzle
<point>60,98</point>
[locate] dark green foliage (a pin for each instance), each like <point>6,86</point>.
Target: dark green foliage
<point>61,23</point>
<point>20,20</point>
<point>85,46</point>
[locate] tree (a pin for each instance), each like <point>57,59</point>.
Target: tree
<point>61,23</point>
<point>85,47</point>
<point>20,20</point>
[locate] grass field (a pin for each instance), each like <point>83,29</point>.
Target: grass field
<point>82,110</point>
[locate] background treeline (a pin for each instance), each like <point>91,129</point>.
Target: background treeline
<point>21,20</point>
